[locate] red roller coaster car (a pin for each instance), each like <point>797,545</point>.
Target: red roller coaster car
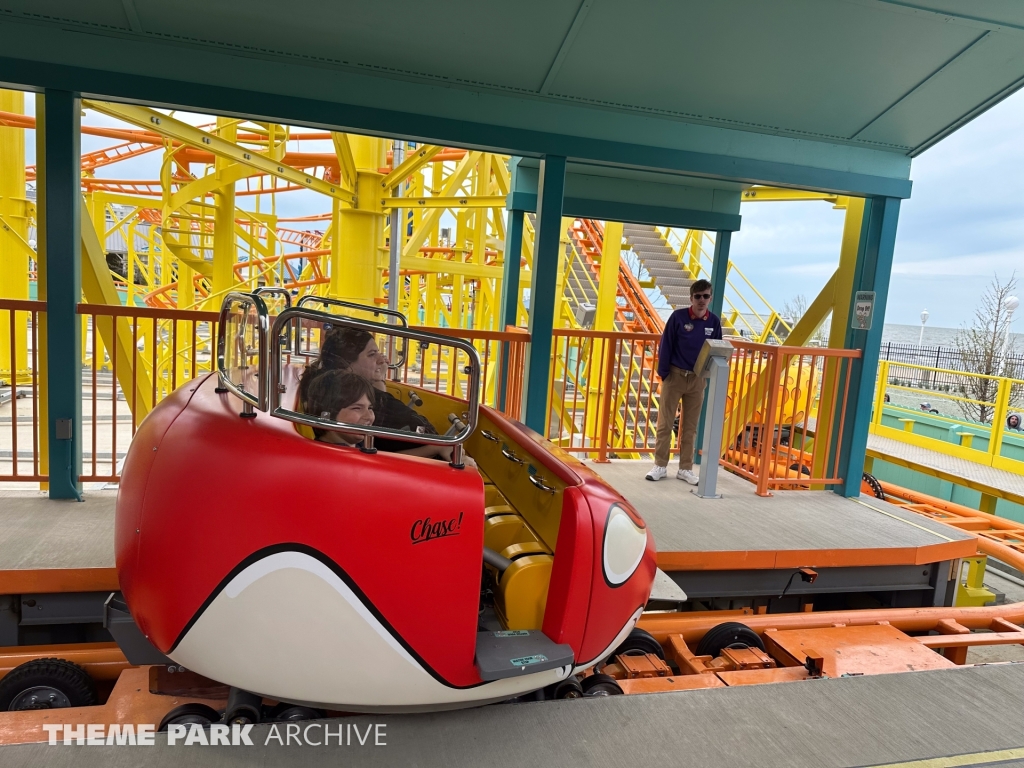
<point>330,576</point>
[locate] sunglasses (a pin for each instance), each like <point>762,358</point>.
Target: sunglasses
<point>700,295</point>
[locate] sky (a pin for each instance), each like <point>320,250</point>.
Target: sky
<point>963,224</point>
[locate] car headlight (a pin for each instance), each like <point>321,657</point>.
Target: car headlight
<point>624,545</point>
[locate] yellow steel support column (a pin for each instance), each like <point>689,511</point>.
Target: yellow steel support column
<point>98,287</point>
<point>14,249</point>
<point>604,320</point>
<point>354,276</point>
<point>843,291</point>
<point>337,268</point>
<point>225,248</point>
<point>608,281</point>
<point>43,395</point>
<point>842,298</point>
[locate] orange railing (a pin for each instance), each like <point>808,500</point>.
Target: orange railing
<point>785,414</point>
<point>138,356</point>
<point>784,411</point>
<point>19,432</point>
<point>133,357</point>
<point>603,392</point>
<point>438,371</point>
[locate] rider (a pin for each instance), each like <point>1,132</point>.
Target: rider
<point>355,350</point>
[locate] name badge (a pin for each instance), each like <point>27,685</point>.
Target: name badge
<point>707,331</point>
<point>688,327</point>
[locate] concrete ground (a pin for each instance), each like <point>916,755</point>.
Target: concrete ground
<point>973,712</point>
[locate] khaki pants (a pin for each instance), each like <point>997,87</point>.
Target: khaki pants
<point>685,386</point>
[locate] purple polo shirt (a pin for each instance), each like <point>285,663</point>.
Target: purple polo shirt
<point>683,338</point>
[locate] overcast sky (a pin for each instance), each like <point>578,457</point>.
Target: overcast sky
<point>963,224</point>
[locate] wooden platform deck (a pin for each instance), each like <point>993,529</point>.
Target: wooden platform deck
<point>979,477</point>
<point>788,530</point>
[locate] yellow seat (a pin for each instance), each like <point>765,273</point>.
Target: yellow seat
<point>305,430</point>
<point>523,592</point>
<point>515,551</point>
<point>492,496</point>
<point>501,531</point>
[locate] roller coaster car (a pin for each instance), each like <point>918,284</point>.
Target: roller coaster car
<point>331,577</point>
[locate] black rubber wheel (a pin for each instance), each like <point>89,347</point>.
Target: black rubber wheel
<point>876,487</point>
<point>724,635</point>
<point>46,684</point>
<point>187,714</point>
<point>600,685</point>
<point>639,642</point>
<point>567,689</point>
<point>288,713</point>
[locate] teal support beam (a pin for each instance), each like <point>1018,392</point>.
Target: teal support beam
<point>546,245</point>
<point>509,292</point>
<point>64,290</point>
<point>874,267</point>
<point>719,273</point>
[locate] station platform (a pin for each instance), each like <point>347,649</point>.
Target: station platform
<point>990,481</point>
<point>746,545</point>
<point>56,546</point>
<point>921,719</point>
<point>788,529</point>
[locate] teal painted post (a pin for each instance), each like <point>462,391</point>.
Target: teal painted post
<point>64,290</point>
<point>874,267</point>
<point>547,242</point>
<point>509,292</point>
<point>719,273</point>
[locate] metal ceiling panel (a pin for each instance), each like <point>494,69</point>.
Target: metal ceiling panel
<point>804,67</point>
<point>472,42</point>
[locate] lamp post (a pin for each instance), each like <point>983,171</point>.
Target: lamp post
<point>1010,303</point>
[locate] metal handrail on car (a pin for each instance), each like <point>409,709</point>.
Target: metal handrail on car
<point>472,370</point>
<point>401,318</point>
<point>261,400</point>
<point>277,291</point>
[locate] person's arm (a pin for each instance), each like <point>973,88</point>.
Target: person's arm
<point>717,333</point>
<point>428,452</point>
<point>665,349</point>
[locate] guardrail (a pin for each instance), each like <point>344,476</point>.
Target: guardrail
<point>943,427</point>
<point>785,414</point>
<point>19,371</point>
<point>133,357</point>
<point>603,392</point>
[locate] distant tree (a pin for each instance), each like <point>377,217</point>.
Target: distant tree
<point>980,347</point>
<point>795,308</point>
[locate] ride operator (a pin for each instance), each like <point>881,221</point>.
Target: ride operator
<point>681,342</point>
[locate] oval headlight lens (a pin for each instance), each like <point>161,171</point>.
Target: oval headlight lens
<point>624,545</point>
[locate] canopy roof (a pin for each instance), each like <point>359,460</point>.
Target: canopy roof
<point>835,95</point>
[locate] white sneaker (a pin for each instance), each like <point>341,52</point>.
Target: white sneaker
<point>687,475</point>
<point>657,473</point>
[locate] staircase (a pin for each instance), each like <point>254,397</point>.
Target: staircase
<point>662,264</point>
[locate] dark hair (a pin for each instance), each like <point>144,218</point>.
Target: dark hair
<point>339,349</point>
<point>330,391</point>
<point>700,285</point>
